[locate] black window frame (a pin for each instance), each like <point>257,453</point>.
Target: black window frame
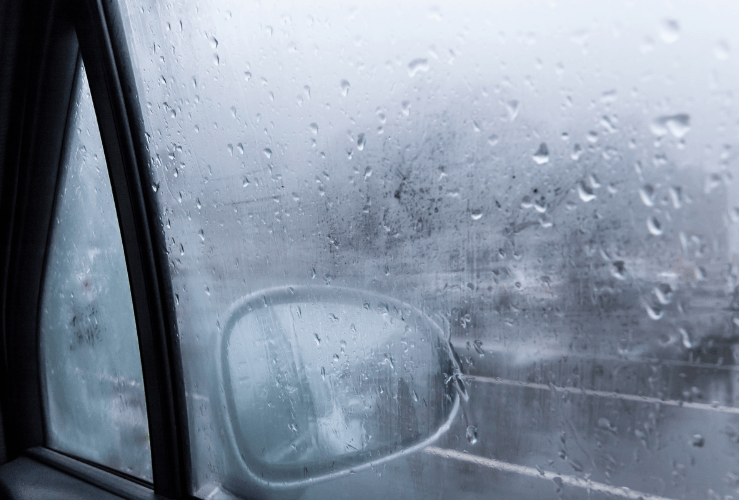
<point>49,38</point>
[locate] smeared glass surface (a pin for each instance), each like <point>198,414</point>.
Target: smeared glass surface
<point>94,398</point>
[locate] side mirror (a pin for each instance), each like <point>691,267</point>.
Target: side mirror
<point>321,381</point>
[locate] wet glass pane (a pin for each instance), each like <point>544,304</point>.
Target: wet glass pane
<point>550,185</point>
<point>94,394</point>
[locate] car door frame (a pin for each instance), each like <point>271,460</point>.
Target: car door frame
<point>50,36</point>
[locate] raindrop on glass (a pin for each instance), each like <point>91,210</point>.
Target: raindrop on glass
<point>542,154</point>
<point>669,31</point>
<point>697,441</point>
<point>472,434</point>
<point>654,226</point>
<point>585,192</point>
<point>512,107</point>
<point>576,152</point>
<point>654,313</point>
<point>678,125</point>
<point>416,66</point>
<point>618,270</point>
<point>646,193</point>
<point>663,291</point>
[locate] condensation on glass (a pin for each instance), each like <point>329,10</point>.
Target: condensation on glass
<point>552,185</point>
<point>94,395</point>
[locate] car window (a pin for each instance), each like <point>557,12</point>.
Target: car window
<point>94,395</point>
<point>450,250</point>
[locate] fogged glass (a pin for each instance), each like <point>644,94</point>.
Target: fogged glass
<point>312,388</point>
<point>94,394</point>
<point>551,185</point>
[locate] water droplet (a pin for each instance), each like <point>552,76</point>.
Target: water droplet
<point>416,66</point>
<point>669,31</point>
<point>655,313</point>
<point>697,441</point>
<point>493,140</point>
<point>646,193</point>
<point>216,59</point>
<point>712,182</point>
<point>155,187</point>
<point>314,128</point>
<point>344,88</point>
<point>247,75</point>
<point>576,152</point>
<point>618,270</point>
<point>700,273</point>
<point>207,290</point>
<point>317,339</point>
<point>472,434</point>
<point>606,424</point>
<point>405,106</point>
<point>478,347</point>
<point>267,152</point>
<point>676,197</point>
<point>654,226</point>
<point>722,50</point>
<point>476,214</point>
<point>576,465</point>
<point>434,13</point>
<point>542,154</point>
<point>585,192</point>
<point>557,483</point>
<point>678,125</point>
<point>663,291</point>
<point>685,338</point>
<point>512,107</point>
<point>213,42</point>
<point>230,149</point>
<point>306,91</point>
<point>201,233</point>
<point>245,182</point>
<point>367,173</point>
<point>361,142</point>
<point>593,180</point>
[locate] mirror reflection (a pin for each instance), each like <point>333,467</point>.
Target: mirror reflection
<point>322,380</point>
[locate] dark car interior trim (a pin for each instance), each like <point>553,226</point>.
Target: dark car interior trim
<point>40,41</point>
<point>128,181</point>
